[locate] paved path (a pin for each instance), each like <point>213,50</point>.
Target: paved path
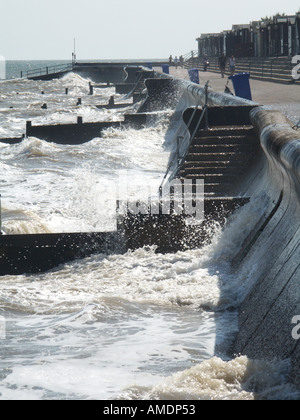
<point>284,97</point>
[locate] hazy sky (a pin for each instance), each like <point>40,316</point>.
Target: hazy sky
<point>103,29</point>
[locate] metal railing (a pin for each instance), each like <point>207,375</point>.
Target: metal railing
<point>136,83</point>
<point>182,139</point>
<point>43,71</point>
<point>190,55</point>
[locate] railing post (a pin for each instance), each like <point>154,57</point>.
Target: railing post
<point>206,105</point>
<point>179,140</point>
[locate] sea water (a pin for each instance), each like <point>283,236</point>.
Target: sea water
<point>136,326</point>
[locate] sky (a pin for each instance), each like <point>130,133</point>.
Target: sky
<point>120,29</point>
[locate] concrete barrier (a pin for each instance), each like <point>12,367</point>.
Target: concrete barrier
<point>273,248</point>
<point>101,73</point>
<point>267,263</point>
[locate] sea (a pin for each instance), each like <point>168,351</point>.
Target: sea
<point>138,326</point>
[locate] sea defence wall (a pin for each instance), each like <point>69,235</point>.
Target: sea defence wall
<point>100,73</point>
<point>269,258</point>
<point>266,264</point>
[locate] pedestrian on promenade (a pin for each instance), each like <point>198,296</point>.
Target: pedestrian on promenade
<point>232,65</point>
<point>170,60</point>
<point>176,61</point>
<point>205,63</point>
<point>222,64</point>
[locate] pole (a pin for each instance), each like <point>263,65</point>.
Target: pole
<point>206,105</point>
<point>74,53</point>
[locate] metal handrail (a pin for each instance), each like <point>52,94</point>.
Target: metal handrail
<point>137,81</point>
<point>47,70</point>
<point>191,54</point>
<point>176,156</point>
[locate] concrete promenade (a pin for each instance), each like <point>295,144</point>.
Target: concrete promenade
<point>283,97</point>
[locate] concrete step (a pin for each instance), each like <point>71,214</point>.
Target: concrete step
<point>221,148</point>
<point>274,79</point>
<point>222,164</point>
<point>215,157</point>
<point>282,75</point>
<point>209,141</point>
<point>270,73</point>
<point>215,188</point>
<point>211,170</point>
<point>213,179</point>
<point>230,131</point>
<point>274,69</point>
<point>218,188</point>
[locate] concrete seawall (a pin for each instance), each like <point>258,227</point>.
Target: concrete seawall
<point>267,262</point>
<point>271,253</point>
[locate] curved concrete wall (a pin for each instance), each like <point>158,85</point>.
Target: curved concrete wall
<point>267,262</point>
<point>101,73</point>
<point>273,297</point>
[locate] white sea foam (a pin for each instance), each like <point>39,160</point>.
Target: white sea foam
<point>217,379</point>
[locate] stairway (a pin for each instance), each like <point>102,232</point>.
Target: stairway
<point>219,156</point>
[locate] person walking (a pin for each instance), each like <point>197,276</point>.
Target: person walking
<point>232,64</point>
<point>205,63</point>
<point>222,64</point>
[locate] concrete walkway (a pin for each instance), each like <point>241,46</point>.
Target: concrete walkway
<point>283,97</point>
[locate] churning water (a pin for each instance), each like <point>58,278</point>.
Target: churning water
<point>136,326</point>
